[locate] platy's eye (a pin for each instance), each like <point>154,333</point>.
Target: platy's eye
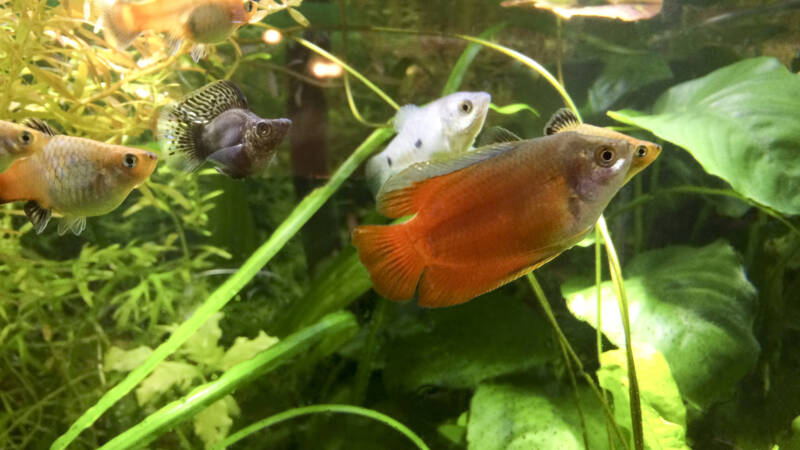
<point>263,129</point>
<point>26,137</point>
<point>248,5</point>
<point>130,160</point>
<point>466,106</point>
<point>605,156</point>
<point>641,151</point>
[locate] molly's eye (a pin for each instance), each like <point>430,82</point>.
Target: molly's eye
<point>641,151</point>
<point>605,156</point>
<point>26,137</point>
<point>248,5</point>
<point>263,129</point>
<point>130,160</point>
<point>466,106</point>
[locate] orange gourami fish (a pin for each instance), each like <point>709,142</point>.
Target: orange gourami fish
<point>492,215</point>
<point>199,21</point>
<point>16,141</point>
<point>73,176</point>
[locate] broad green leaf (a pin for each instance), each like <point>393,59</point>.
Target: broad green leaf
<point>512,416</point>
<point>213,423</point>
<point>622,75</point>
<point>460,347</point>
<point>740,123</point>
<point>244,349</point>
<point>125,360</point>
<point>694,305</point>
<point>164,377</point>
<point>663,413</point>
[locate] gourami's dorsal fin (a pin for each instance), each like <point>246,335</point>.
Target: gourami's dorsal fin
<point>180,123</point>
<point>495,135</point>
<point>39,125</point>
<point>563,120</point>
<point>38,216</point>
<point>403,115</point>
<point>403,193</point>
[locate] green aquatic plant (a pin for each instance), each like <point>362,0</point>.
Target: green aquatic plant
<point>104,333</point>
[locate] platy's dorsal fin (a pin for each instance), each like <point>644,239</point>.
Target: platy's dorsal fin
<point>180,123</point>
<point>39,125</point>
<point>403,192</point>
<point>38,216</point>
<point>495,135</point>
<point>564,119</point>
<point>403,114</point>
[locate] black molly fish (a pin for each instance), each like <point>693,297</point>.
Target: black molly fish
<point>215,124</point>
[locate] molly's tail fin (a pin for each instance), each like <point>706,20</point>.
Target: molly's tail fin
<point>394,265</point>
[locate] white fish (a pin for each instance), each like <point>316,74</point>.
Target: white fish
<point>447,125</point>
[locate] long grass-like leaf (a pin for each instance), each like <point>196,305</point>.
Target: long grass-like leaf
<point>321,409</point>
<point>202,396</point>
<point>467,56</point>
<point>299,216</point>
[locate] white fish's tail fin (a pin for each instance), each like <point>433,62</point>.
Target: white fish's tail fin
<point>180,124</point>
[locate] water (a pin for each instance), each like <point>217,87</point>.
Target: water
<point>286,319</point>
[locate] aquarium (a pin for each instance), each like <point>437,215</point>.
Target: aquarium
<point>351,224</point>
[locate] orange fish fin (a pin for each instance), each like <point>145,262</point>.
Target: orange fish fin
<point>39,125</point>
<point>389,256</point>
<point>38,215</point>
<point>563,120</point>
<point>447,286</point>
<point>403,193</point>
<point>119,24</point>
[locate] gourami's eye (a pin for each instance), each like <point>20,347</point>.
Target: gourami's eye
<point>605,156</point>
<point>130,160</point>
<point>263,129</point>
<point>466,106</point>
<point>26,137</point>
<point>248,5</point>
<point>641,151</point>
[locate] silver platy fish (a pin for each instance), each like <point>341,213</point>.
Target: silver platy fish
<point>448,125</point>
<point>215,124</point>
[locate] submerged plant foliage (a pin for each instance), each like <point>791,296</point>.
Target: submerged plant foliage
<point>206,312</point>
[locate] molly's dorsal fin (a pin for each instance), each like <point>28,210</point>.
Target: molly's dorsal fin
<point>181,123</point>
<point>496,135</point>
<point>403,192</point>
<point>563,120</point>
<point>39,125</point>
<point>38,216</point>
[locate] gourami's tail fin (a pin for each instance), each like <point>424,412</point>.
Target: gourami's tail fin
<point>118,23</point>
<point>388,254</point>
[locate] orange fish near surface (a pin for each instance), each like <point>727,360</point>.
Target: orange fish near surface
<point>73,176</point>
<point>16,141</point>
<point>492,215</point>
<point>199,21</point>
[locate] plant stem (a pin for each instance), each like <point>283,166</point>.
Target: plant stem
<point>237,376</point>
<point>318,409</point>
<point>619,288</point>
<point>220,297</point>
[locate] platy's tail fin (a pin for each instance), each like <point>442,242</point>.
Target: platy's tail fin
<point>118,24</point>
<point>393,264</point>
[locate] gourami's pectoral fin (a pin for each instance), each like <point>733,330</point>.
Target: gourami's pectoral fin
<point>38,216</point>
<point>390,258</point>
<point>39,125</point>
<point>74,224</point>
<point>403,193</point>
<point>181,123</point>
<point>563,120</point>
